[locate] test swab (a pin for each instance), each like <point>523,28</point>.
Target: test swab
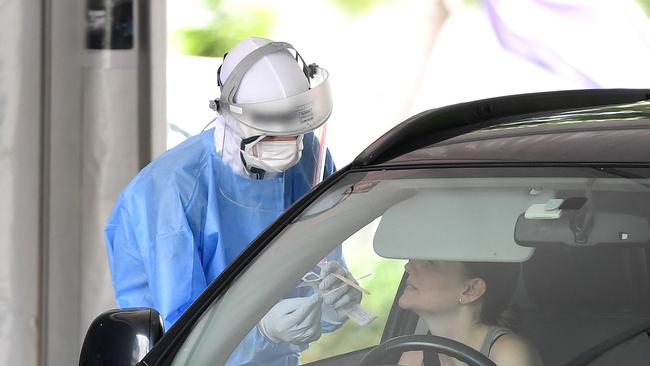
<point>346,283</point>
<point>349,282</point>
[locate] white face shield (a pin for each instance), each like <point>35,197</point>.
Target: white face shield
<point>293,101</point>
<point>293,115</point>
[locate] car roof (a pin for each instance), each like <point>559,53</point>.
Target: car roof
<point>608,126</point>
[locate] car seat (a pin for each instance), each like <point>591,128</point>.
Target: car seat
<point>571,300</point>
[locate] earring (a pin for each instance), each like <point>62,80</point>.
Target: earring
<point>460,301</point>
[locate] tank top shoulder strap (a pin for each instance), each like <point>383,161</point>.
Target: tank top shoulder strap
<point>492,335</point>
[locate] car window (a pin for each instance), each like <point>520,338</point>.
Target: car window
<point>380,277</point>
<point>571,243</point>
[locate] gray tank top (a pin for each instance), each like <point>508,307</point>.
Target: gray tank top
<point>492,335</point>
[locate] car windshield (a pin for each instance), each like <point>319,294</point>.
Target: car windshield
<point>568,247</point>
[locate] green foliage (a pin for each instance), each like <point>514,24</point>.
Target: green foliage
<point>645,4</point>
<point>225,29</point>
<point>355,7</point>
<point>228,24</point>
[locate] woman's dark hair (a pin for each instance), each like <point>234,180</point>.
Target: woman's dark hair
<point>500,280</point>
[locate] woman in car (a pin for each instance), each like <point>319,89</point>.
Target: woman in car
<point>466,302</point>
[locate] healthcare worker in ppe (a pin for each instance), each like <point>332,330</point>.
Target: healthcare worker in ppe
<point>187,215</point>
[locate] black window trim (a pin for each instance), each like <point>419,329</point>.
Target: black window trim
<point>444,123</point>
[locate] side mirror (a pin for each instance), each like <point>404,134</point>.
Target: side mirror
<point>121,337</point>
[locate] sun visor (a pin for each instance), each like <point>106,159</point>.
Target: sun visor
<point>462,224</point>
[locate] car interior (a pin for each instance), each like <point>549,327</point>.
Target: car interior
<point>577,306</point>
<point>583,292</point>
<point>583,304</point>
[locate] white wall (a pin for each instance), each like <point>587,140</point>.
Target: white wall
<point>70,139</point>
<point>20,181</point>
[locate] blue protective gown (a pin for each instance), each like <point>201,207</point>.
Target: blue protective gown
<point>184,218</point>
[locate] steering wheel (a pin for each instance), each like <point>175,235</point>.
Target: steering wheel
<point>461,352</point>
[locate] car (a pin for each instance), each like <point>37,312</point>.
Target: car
<point>554,184</point>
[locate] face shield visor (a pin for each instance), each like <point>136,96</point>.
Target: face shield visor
<point>290,115</point>
<point>279,139</point>
<point>294,115</point>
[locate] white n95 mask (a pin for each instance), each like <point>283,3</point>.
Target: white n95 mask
<point>273,156</point>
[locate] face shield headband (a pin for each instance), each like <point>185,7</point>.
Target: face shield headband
<point>294,115</point>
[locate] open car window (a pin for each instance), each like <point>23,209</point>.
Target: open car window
<point>578,236</point>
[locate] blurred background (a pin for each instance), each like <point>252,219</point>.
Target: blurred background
<point>390,59</point>
<point>92,90</point>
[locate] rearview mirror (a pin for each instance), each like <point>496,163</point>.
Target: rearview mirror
<point>605,228</point>
<point>121,337</point>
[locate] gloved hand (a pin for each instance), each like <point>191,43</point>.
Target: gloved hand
<point>342,296</point>
<point>295,320</point>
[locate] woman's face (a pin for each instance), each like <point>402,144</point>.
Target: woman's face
<point>432,286</point>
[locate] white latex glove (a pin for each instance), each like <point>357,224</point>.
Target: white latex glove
<point>343,295</point>
<point>295,320</point>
